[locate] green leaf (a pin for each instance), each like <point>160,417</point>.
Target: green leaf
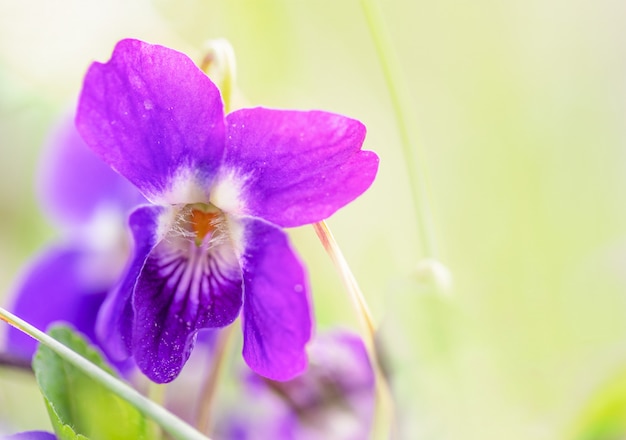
<point>171,423</point>
<point>79,407</point>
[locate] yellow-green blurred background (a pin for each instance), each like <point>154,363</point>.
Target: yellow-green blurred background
<point>520,111</point>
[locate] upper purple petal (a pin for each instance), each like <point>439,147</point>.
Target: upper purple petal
<point>56,287</point>
<point>276,311</point>
<point>292,167</point>
<point>156,118</point>
<point>74,183</point>
<point>182,288</point>
<point>114,323</point>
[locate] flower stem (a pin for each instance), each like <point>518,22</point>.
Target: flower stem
<point>398,93</point>
<point>358,300</point>
<point>209,388</point>
<point>156,393</point>
<point>168,421</point>
<point>385,412</point>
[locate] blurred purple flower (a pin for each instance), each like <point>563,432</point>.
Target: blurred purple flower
<point>69,280</point>
<point>333,399</point>
<point>221,188</point>
<point>30,435</point>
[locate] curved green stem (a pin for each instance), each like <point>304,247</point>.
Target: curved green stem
<point>398,93</point>
<point>168,421</point>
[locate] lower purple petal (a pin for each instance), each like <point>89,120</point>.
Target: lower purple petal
<point>114,324</point>
<point>56,288</point>
<point>183,287</point>
<point>276,312</point>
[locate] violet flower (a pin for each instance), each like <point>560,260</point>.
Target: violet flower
<point>335,398</point>
<point>69,280</point>
<point>221,189</point>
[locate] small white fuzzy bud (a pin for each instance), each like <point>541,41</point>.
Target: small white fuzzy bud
<point>434,272</point>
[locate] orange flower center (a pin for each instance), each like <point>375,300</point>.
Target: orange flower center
<point>203,223</point>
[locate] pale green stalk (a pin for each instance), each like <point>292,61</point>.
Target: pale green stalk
<point>204,421</point>
<point>385,412</point>
<point>358,300</point>
<point>177,428</point>
<point>399,95</point>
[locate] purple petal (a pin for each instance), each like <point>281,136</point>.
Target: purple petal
<point>342,376</point>
<point>333,399</point>
<point>294,168</point>
<point>263,424</point>
<point>56,287</point>
<point>114,324</point>
<point>74,183</point>
<point>344,356</point>
<point>183,287</point>
<point>156,118</point>
<point>276,311</point>
<point>31,435</point>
